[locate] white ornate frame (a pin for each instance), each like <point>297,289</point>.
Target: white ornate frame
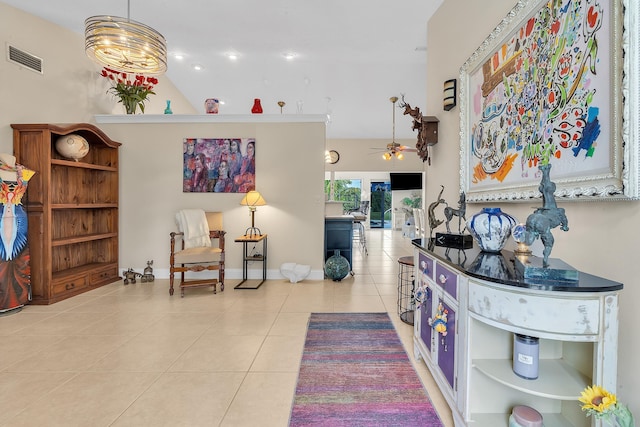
<point>622,181</point>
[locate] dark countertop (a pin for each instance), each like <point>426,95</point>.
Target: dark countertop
<point>501,268</point>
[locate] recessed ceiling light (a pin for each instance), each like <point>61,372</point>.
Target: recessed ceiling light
<point>178,56</point>
<point>197,67</point>
<point>289,56</point>
<point>232,55</point>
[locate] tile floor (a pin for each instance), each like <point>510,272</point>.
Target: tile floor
<point>133,356</point>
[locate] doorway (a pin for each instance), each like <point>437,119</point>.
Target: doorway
<point>380,212</point>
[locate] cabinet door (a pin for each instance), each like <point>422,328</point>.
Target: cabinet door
<point>446,341</point>
<point>426,332</point>
<point>425,266</point>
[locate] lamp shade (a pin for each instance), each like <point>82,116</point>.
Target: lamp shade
<point>125,45</point>
<point>253,198</point>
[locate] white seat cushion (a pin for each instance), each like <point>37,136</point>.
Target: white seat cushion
<point>199,255</point>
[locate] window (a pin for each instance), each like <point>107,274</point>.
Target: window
<point>345,190</point>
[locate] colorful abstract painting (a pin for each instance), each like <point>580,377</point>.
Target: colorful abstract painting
<point>218,165</point>
<point>542,93</point>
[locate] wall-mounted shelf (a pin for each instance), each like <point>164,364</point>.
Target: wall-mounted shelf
<point>211,118</point>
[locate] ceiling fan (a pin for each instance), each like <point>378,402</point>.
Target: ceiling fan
<point>393,149</point>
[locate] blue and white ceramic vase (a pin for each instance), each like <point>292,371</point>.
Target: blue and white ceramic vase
<point>337,267</point>
<point>491,228</point>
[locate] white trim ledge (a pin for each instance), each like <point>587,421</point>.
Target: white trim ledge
<point>210,118</point>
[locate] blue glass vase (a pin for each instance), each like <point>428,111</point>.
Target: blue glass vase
<point>491,228</point>
<point>168,109</point>
<point>337,267</point>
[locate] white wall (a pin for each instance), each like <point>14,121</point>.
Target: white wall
<point>603,236</point>
<point>293,187</point>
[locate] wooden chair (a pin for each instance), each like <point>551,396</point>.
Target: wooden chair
<point>198,259</point>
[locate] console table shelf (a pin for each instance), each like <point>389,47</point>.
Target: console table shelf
<point>558,379</point>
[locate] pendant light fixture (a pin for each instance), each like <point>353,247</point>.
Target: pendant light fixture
<point>393,149</point>
<point>125,45</point>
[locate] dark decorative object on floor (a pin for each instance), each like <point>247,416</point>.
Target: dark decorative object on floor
<point>549,216</point>
<point>148,273</point>
<point>337,267</point>
<point>130,276</point>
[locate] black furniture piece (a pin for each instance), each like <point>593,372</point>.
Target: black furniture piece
<point>338,235</point>
<point>257,257</point>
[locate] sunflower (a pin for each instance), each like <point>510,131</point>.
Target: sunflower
<point>597,399</point>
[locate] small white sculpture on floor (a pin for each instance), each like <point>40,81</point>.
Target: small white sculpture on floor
<point>295,272</point>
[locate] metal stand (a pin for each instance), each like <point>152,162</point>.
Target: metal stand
<point>406,284</point>
<point>253,230</point>
<point>246,258</point>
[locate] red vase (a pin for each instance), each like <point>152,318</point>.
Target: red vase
<point>257,107</point>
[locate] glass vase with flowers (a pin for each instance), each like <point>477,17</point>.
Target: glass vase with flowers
<point>132,90</point>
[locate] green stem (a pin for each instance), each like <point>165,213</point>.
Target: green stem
<point>130,105</point>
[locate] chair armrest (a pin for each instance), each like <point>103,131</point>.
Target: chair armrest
<point>218,234</point>
<point>173,235</point>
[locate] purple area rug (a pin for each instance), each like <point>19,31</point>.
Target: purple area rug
<point>355,372</point>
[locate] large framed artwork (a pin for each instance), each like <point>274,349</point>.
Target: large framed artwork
<point>218,165</point>
<point>555,82</point>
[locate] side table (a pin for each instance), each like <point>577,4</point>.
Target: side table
<point>246,258</point>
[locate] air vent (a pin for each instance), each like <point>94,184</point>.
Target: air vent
<point>24,59</point>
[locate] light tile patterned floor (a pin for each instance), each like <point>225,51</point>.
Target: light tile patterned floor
<point>133,356</point>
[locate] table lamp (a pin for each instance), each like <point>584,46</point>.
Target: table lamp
<point>253,199</point>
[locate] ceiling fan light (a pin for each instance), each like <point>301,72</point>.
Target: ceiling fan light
<point>399,155</point>
<point>125,45</point>
<point>386,156</point>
